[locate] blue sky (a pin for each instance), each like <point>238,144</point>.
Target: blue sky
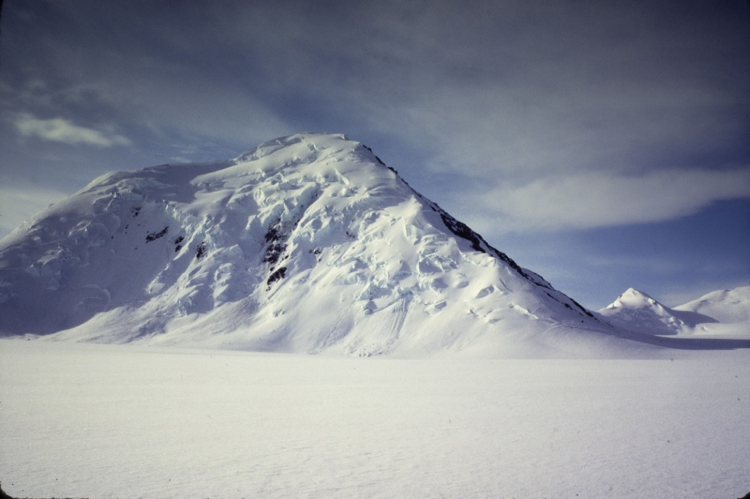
<point>603,145</point>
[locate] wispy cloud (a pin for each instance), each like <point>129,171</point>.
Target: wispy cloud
<point>65,131</point>
<point>591,200</point>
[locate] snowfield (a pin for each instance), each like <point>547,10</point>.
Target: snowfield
<point>101,421</point>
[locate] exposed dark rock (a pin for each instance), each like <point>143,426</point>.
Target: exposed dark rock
<point>201,251</point>
<point>3,495</point>
<point>463,231</point>
<point>278,274</point>
<point>585,311</point>
<point>277,239</point>
<point>153,236</point>
<point>378,159</point>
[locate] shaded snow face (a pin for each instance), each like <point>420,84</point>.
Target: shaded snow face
<point>307,243</point>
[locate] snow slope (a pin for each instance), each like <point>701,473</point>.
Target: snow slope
<point>720,312</point>
<point>308,243</point>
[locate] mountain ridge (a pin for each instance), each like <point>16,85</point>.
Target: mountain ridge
<point>305,244</point>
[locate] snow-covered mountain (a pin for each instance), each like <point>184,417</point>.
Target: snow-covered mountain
<point>717,312</point>
<point>307,243</point>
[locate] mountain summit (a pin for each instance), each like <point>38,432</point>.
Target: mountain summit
<point>307,243</point>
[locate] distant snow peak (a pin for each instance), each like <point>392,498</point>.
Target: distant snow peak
<point>636,311</point>
<point>632,298</point>
<point>307,243</point>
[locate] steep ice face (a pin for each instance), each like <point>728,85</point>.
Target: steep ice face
<point>306,243</point>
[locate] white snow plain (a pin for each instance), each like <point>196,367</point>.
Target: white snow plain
<point>127,421</point>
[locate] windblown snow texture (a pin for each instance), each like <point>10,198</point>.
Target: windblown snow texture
<point>307,243</point>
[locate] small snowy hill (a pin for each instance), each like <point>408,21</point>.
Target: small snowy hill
<point>727,306</point>
<point>306,244</point>
<point>638,312</point>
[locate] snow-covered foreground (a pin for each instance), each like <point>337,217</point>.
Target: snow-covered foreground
<point>82,420</point>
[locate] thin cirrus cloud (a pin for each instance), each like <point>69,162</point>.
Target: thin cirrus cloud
<point>594,200</point>
<point>65,131</point>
